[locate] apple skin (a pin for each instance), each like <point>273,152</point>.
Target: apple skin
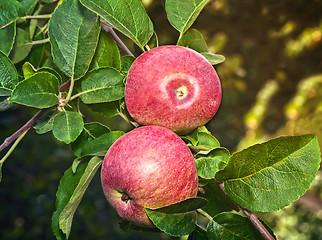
<point>150,167</point>
<point>174,87</point>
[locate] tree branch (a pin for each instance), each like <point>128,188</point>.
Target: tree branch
<point>116,38</point>
<point>23,129</point>
<point>251,216</point>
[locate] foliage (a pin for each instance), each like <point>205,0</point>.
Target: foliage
<point>79,66</point>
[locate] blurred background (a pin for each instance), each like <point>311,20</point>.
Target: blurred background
<point>272,86</point>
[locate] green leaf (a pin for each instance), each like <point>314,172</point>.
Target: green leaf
<point>217,200</point>
<point>28,70</point>
<point>227,226</point>
<point>39,91</point>
<point>68,183</point>
<point>182,13</point>
<point>213,58</point>
<point>202,140</point>
<point>194,40</point>
<point>97,146</point>
<point>90,131</point>
<point>187,205</point>
<point>207,165</point>
<point>66,216</point>
<point>10,11</point>
<point>7,38</point>
<point>107,53</point>
<point>67,126</point>
<point>154,41</point>
<point>173,224</point>
<point>74,39</point>
<point>42,127</point>
<point>126,62</point>
<point>37,51</point>
<point>102,85</point>
<point>28,5</point>
<point>8,75</point>
<point>269,176</point>
<point>127,16</point>
<point>22,46</point>
<point>198,234</point>
<point>109,109</point>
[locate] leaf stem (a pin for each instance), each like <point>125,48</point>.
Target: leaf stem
<point>202,212</point>
<point>45,16</point>
<point>116,38</point>
<point>18,133</point>
<point>251,216</point>
<point>13,146</point>
<point>39,42</point>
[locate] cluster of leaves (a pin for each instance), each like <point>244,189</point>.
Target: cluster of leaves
<point>66,63</point>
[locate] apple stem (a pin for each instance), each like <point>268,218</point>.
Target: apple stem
<point>251,216</point>
<point>125,197</point>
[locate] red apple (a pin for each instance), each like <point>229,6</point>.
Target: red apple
<point>148,167</point>
<point>174,87</point>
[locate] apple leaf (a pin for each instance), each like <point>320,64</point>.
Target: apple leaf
<point>108,109</point>
<point>102,85</point>
<point>85,144</point>
<point>269,176</point>
<point>213,58</point>
<point>198,234</point>
<point>107,53</point>
<point>69,194</point>
<point>67,126</point>
<point>28,70</point>
<point>10,11</point>
<point>66,216</point>
<point>126,62</point>
<point>177,219</point>
<point>202,140</point>
<point>177,225</point>
<point>217,200</point>
<point>154,41</point>
<point>7,38</point>
<point>182,13</point>
<point>128,226</point>
<point>194,40</point>
<point>128,17</point>
<point>73,40</point>
<point>22,45</point>
<point>227,226</point>
<point>8,75</point>
<point>207,165</point>
<point>45,126</point>
<point>39,91</point>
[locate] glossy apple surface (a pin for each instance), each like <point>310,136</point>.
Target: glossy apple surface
<point>174,87</point>
<point>148,167</point>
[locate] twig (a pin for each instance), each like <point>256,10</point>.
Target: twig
<point>28,125</point>
<point>116,38</point>
<point>251,216</point>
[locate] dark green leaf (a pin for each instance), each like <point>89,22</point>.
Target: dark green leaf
<point>66,216</point>
<point>129,17</point>
<point>194,40</point>
<point>8,75</point>
<point>40,91</point>
<point>10,11</point>
<point>217,200</point>
<point>198,234</point>
<point>207,165</point>
<point>97,146</point>
<point>7,38</point>
<point>102,85</point>
<point>187,205</point>
<point>109,109</point>
<point>107,53</point>
<point>173,224</point>
<point>213,58</point>
<point>37,51</point>
<point>182,13</point>
<point>154,41</point>
<point>128,226</point>
<point>269,176</point>
<point>91,131</point>
<point>22,46</point>
<point>67,126</point>
<point>126,62</point>
<point>28,5</point>
<point>66,189</point>
<point>231,226</point>
<point>44,126</point>
<point>74,39</point>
